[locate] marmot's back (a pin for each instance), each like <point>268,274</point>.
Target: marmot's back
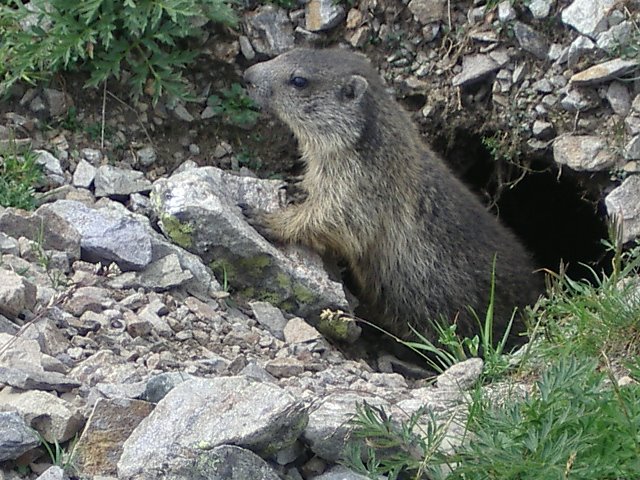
<point>419,244</point>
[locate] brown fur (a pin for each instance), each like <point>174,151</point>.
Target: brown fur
<point>418,243</point>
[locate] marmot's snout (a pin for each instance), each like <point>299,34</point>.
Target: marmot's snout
<point>257,84</point>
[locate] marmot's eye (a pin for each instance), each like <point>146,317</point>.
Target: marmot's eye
<point>299,82</point>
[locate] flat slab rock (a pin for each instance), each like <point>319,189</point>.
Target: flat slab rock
<point>201,414</point>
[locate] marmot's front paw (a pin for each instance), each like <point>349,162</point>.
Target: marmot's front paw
<point>258,219</point>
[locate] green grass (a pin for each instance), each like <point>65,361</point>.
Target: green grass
<point>19,176</point>
<point>576,422</point>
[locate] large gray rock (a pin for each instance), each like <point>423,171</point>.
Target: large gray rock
<point>474,69</point>
<point>107,236</point>
<point>340,473</point>
<point>623,203</point>
<point>228,462</point>
<point>16,437</point>
<point>428,11</point>
<point>583,152</point>
<point>603,71</point>
<point>270,30</point>
<point>587,16</point>
<point>54,418</point>
<point>16,293</point>
<point>53,473</point>
<point>198,210</point>
<point>201,414</point>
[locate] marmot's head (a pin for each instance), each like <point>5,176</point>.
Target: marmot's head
<point>325,96</point>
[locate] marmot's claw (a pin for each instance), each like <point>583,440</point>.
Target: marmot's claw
<point>257,218</point>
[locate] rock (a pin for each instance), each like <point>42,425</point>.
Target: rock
<point>84,174</point>
<point>245,47</point>
<point>16,294</point>
<point>284,367</point>
<point>328,431</point>
<point>112,181</point>
<point>475,68</point>
<point>205,413</point>
<point>323,14</point>
<point>159,276</point>
<point>89,299</point>
<point>583,152</point>
<point>159,385</point>
<point>198,210</point>
<point>54,418</point>
<point>578,48</point>
<point>530,40</point>
<point>462,375</point>
<point>616,36</point>
<point>228,462</point>
<point>604,71</point>
<point>540,8</point>
<point>58,102</point>
<point>270,317</point>
<point>506,12</point>
<point>339,473</point>
<point>632,149</point>
<point>619,98</point>
<point>428,11</point>
<point>624,203</point>
<point>543,130</point>
<point>579,100</point>
<point>91,155</point>
<point>587,16</point>
<point>181,113</point>
<point>20,351</point>
<point>109,425</point>
<point>36,380</point>
<point>299,331</point>
<point>16,437</point>
<point>107,236</point>
<point>8,245</point>
<point>146,156</point>
<point>53,473</point>
<point>52,231</point>
<point>269,30</point>
<point>51,167</point>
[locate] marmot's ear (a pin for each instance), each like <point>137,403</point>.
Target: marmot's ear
<point>355,87</point>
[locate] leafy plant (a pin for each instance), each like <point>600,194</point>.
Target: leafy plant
<point>234,106</point>
<point>392,448</point>
<point>105,37</point>
<point>573,426</point>
<point>19,176</point>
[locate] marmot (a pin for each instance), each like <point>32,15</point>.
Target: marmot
<point>419,245</point>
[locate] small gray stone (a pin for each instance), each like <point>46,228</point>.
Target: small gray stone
<point>604,71</point>
<point>462,375</point>
<point>49,162</point>
<point>587,16</point>
<point>475,68</point>
<point>59,102</point>
<point>506,12</point>
<point>540,8</point>
<point>583,152</point>
<point>91,155</point>
<point>578,101</point>
<point>632,149</point>
<point>270,317</point>
<point>16,294</point>
<point>228,462</point>
<point>146,156</point>
<point>182,113</point>
<point>530,40</point>
<point>619,98</point>
<point>284,367</point>
<point>159,276</point>
<point>8,245</point>
<point>578,48</point>
<point>84,174</point>
<point>339,473</point>
<point>299,331</point>
<point>542,129</point>
<point>616,36</point>
<point>16,437</point>
<point>53,473</point>
<point>270,30</point>
<point>323,14</point>
<point>112,181</point>
<point>623,203</point>
<point>245,47</point>
<point>428,11</point>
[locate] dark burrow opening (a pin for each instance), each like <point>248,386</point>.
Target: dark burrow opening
<point>559,217</point>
